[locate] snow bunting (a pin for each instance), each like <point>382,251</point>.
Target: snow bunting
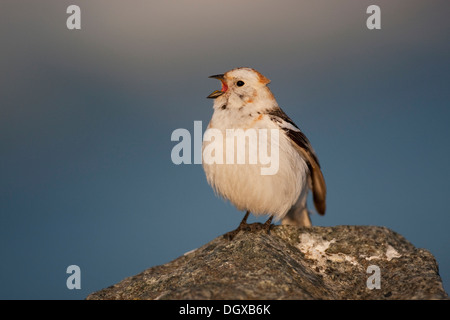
<point>245,102</point>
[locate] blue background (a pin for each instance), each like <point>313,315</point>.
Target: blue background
<point>86,117</point>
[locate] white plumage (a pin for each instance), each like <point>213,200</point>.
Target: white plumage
<point>245,102</point>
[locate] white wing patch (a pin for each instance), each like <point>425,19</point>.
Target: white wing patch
<point>284,124</point>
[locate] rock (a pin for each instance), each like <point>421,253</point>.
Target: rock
<point>292,263</point>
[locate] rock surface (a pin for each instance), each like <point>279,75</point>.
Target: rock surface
<point>292,263</point>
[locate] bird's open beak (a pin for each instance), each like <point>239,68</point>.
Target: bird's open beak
<point>218,93</point>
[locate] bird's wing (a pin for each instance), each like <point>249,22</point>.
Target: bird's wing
<point>303,146</point>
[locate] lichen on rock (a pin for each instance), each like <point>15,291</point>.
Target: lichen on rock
<point>291,263</point>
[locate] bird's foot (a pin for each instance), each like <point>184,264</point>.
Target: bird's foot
<point>243,226</point>
<point>254,227</point>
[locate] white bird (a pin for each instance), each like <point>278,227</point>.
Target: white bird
<point>245,102</point>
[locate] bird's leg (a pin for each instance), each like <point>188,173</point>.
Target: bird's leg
<point>244,220</point>
<point>243,225</point>
<point>268,224</point>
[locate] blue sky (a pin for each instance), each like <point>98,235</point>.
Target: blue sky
<point>86,118</point>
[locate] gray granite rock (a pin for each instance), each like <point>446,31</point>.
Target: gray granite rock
<point>292,263</point>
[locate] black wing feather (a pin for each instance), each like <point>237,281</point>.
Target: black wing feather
<point>297,136</point>
<point>305,149</point>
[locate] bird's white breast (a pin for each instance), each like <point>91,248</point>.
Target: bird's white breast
<point>243,184</point>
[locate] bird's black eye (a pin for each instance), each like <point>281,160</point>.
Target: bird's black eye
<point>240,83</point>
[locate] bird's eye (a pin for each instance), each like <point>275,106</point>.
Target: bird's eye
<point>240,83</point>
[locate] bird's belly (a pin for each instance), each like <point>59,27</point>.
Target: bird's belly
<point>247,188</point>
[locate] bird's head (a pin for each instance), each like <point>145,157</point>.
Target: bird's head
<point>241,86</point>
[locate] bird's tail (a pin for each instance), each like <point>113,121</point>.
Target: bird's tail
<point>298,215</point>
